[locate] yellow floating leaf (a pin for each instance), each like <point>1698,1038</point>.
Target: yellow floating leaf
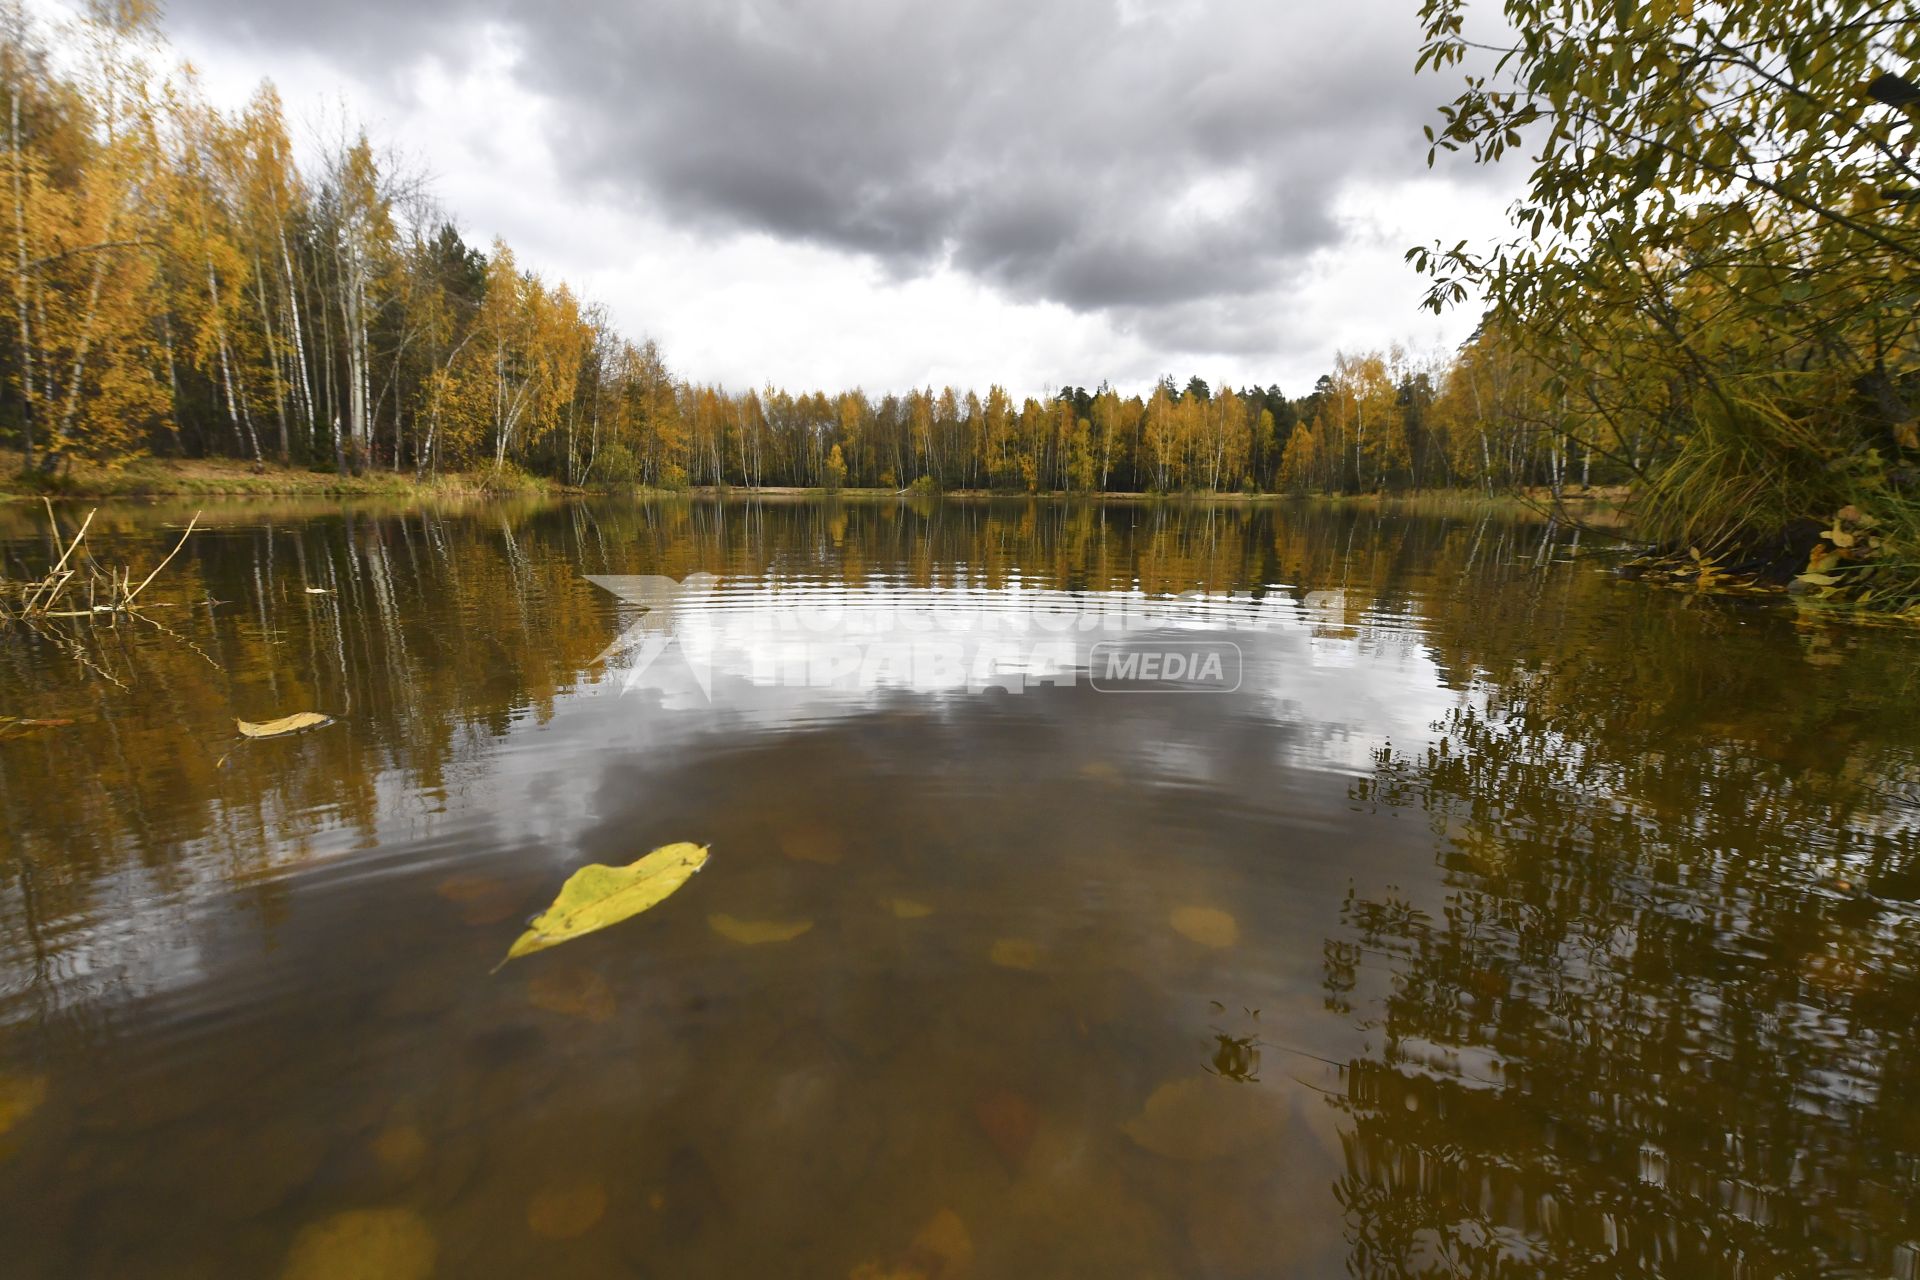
<point>753,933</point>
<point>577,993</point>
<point>1206,926</point>
<point>596,896</point>
<point>907,908</point>
<point>366,1244</point>
<point>20,1097</point>
<point>563,1212</point>
<point>1203,1117</point>
<point>284,725</point>
<point>1100,771</point>
<point>1014,953</point>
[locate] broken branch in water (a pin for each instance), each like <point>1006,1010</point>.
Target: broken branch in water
<point>128,603</point>
<point>39,598</point>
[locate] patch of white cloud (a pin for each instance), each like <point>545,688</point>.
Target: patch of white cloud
<point>745,308</point>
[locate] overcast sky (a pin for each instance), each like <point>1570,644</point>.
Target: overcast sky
<point>893,193</point>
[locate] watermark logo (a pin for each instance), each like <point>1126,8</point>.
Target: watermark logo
<point>973,639</point>
<point>1164,666</point>
<point>664,604</point>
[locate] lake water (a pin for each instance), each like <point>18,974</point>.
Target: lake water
<point>1489,915</point>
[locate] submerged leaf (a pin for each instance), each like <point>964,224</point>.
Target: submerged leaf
<point>577,993</point>
<point>907,908</point>
<point>563,1212</point>
<point>943,1246</point>
<point>399,1146</point>
<point>754,932</point>
<point>1204,1117</point>
<point>1010,1123</point>
<point>1014,953</point>
<point>482,899</point>
<point>366,1244</point>
<point>941,1250</point>
<point>20,1097</point>
<point>596,896</point>
<point>284,725</point>
<point>1206,925</point>
<point>811,842</point>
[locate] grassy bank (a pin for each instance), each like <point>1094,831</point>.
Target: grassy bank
<point>217,477</point>
<point>1605,506</point>
<point>1597,507</point>
<point>225,477</point>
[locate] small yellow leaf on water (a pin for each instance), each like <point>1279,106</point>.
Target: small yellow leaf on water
<point>1014,953</point>
<point>907,908</point>
<point>755,932</point>
<point>1100,771</point>
<point>20,1097</point>
<point>577,993</point>
<point>284,725</point>
<point>596,896</point>
<point>1206,926</point>
<point>363,1244</point>
<point>563,1212</point>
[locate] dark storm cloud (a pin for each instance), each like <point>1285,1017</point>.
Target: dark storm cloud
<point>1137,158</point>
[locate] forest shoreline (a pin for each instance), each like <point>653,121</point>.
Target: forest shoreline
<point>232,478</point>
<point>1603,510</point>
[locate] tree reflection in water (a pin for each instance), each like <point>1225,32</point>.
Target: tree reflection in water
<point>1667,1018</point>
